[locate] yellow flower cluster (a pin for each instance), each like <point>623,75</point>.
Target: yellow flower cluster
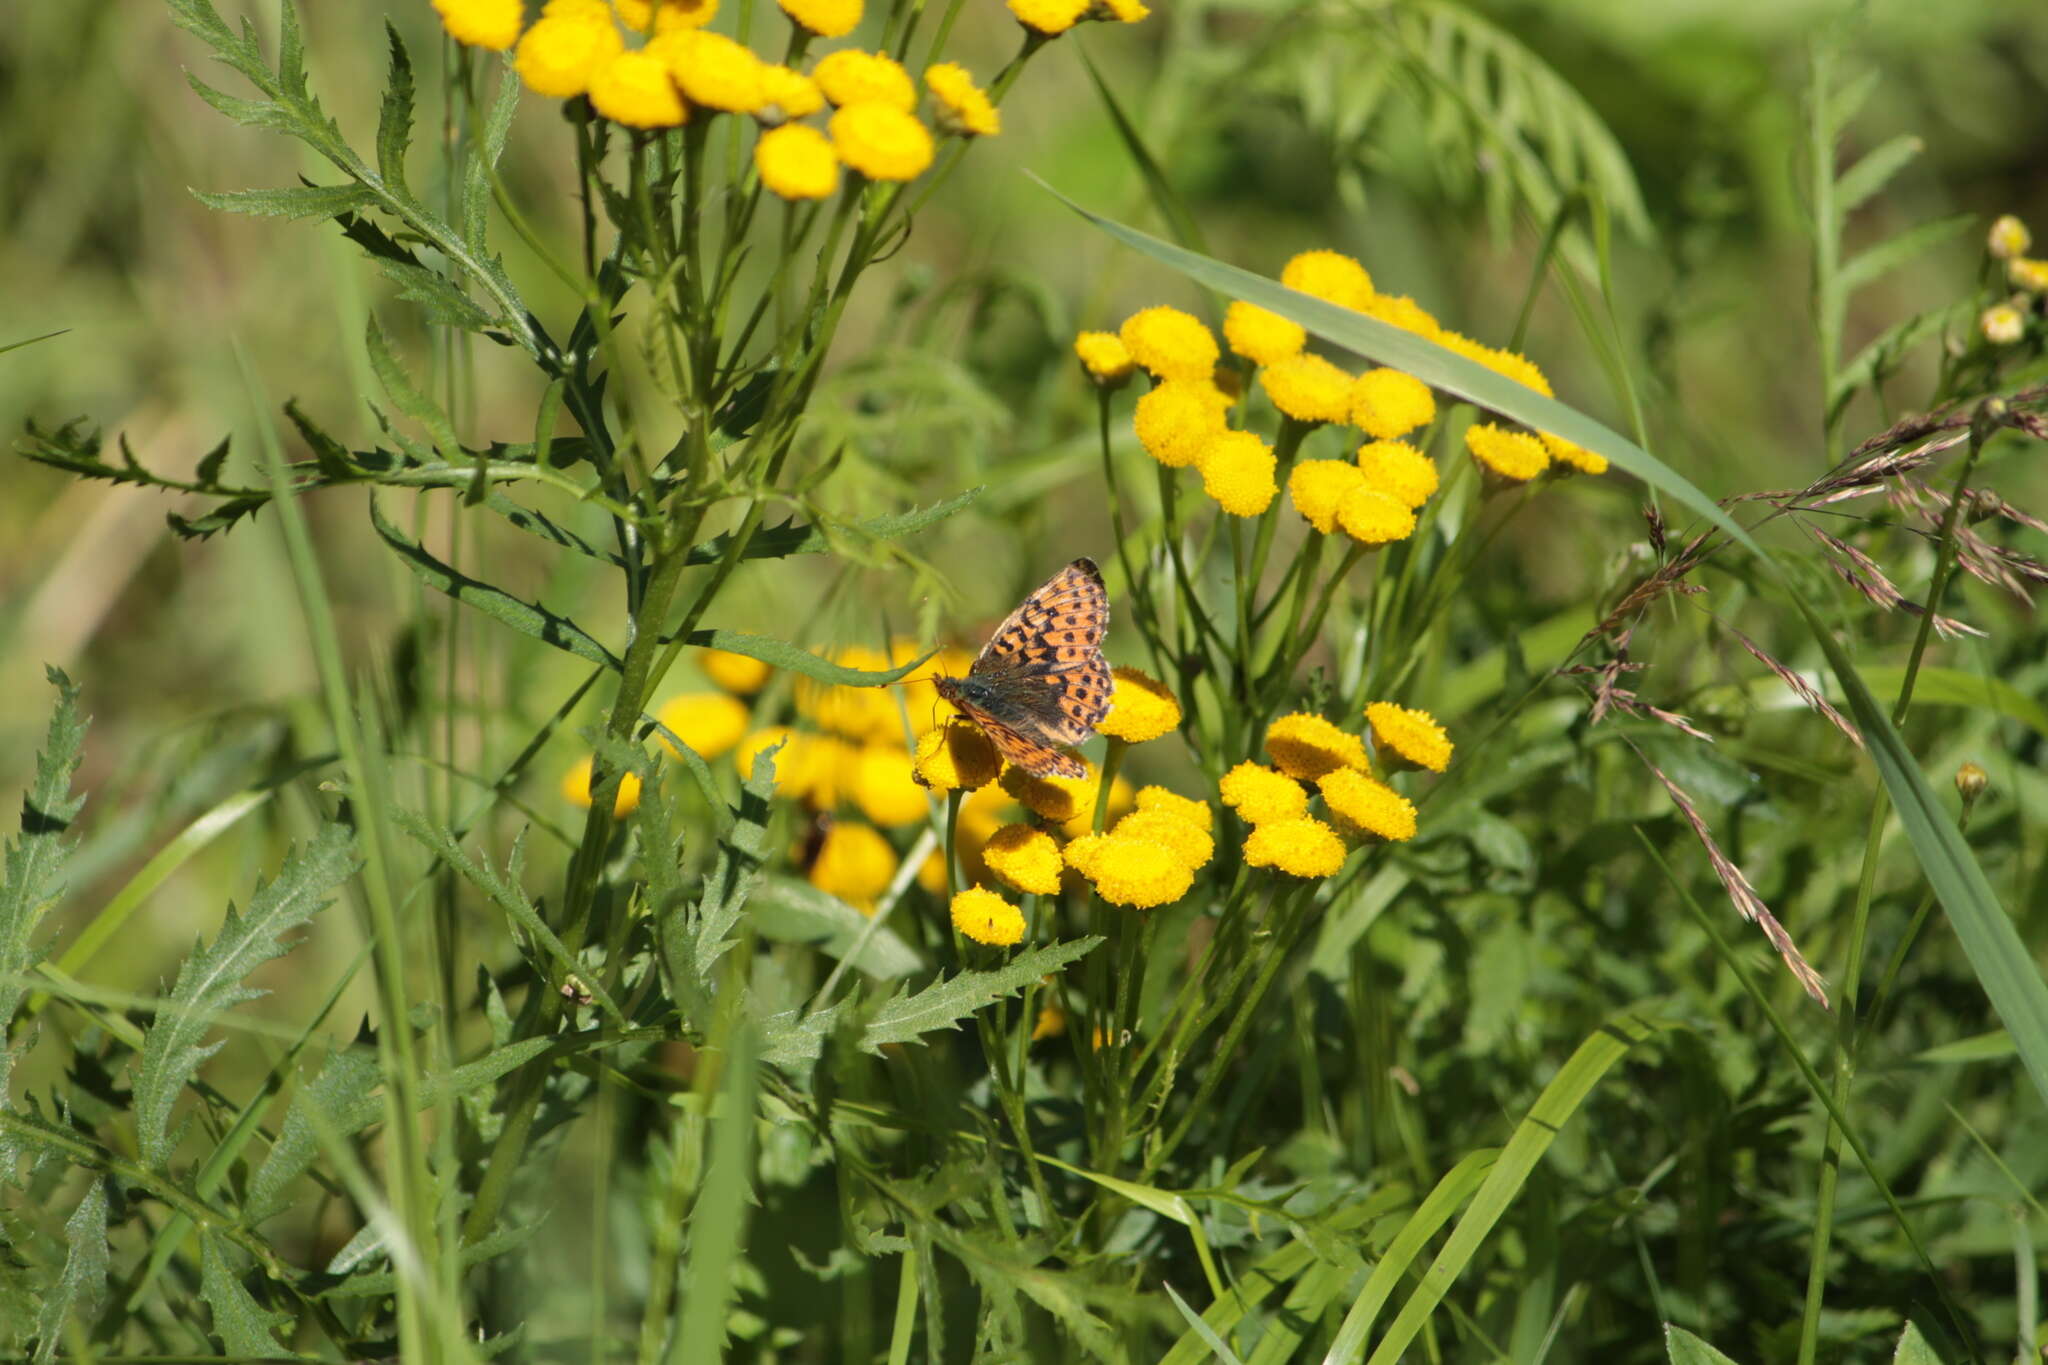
<point>1050,18</point>
<point>987,918</point>
<point>651,63</point>
<point>1140,708</point>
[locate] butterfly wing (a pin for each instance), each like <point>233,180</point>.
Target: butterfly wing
<point>1020,750</point>
<point>1047,654</point>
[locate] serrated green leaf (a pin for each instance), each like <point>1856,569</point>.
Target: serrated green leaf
<point>410,400</point>
<point>943,1004</point>
<point>476,178</point>
<point>1887,256</point>
<point>741,851</point>
<point>794,659</point>
<point>298,201</point>
<point>344,1088</point>
<point>789,910</point>
<point>210,981</point>
<point>1874,170</point>
<point>244,1326</point>
<point>1683,1348</point>
<point>473,1254</point>
<point>496,603</point>
<point>790,538</point>
<point>1913,1349</point>
<point>82,1287</point>
<point>33,875</point>
<point>394,113</point>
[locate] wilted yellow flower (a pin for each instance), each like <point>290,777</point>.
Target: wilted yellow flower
<point>956,755</point>
<point>1318,486</point>
<point>963,107</point>
<point>1180,807</point>
<point>854,863</point>
<point>796,161</point>
<point>2008,237</point>
<point>886,789</point>
<point>1105,357</point>
<point>987,918</point>
<point>1176,419</point>
<point>561,51</point>
<point>1261,795</point>
<point>1302,847</point>
<point>489,24</point>
<point>1305,746</point>
<point>787,94</point>
<point>1140,708</point>
<point>826,18</point>
<point>1369,806</point>
<point>1025,857</point>
<point>1136,872</point>
<point>1411,737</point>
<point>634,88</point>
<point>881,141</point>
<point>1261,336</point>
<point>1398,310</point>
<point>709,722</point>
<point>576,788</point>
<point>1330,276</point>
<point>739,673</point>
<point>1237,471</point>
<point>1515,456</point>
<point>1050,17</point>
<point>2028,273</point>
<point>1190,842</point>
<point>1571,455</point>
<point>1399,470</point>
<point>1387,403</point>
<point>712,69</point>
<point>1171,344</point>
<point>1371,517</point>
<point>1308,388</point>
<point>1058,799</point>
<point>855,77</point>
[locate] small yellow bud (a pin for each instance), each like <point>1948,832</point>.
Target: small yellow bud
<point>1971,780</point>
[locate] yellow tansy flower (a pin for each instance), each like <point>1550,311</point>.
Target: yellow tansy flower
<point>711,723</point>
<point>1105,357</point>
<point>1190,842</point>
<point>1318,486</point>
<point>1330,276</point>
<point>576,788</point>
<point>854,863</point>
<point>1308,388</point>
<point>987,918</point>
<point>1180,807</point>
<point>561,51</point>
<point>738,673</point>
<point>577,9</point>
<point>760,742</point>
<point>634,88</point>
<point>2008,236</point>
<point>1507,364</point>
<point>1140,708</point>
<point>1261,795</point>
<point>1025,857</point>
<point>489,24</point>
<point>956,755</point>
<point>1050,17</point>
<point>826,18</point>
<point>1412,737</point>
<point>2028,273</point>
<point>796,161</point>
<point>854,77</point>
<point>931,873</point>
<point>1136,872</point>
<point>1398,310</point>
<point>1371,517</point>
<point>881,141</point>
<point>1387,403</point>
<point>1237,471</point>
<point>643,16</point>
<point>860,712</point>
<point>1171,344</point>
<point>788,94</point>
<point>1399,470</point>
<point>712,69</point>
<point>886,788</point>
<point>1369,806</point>
<point>1571,455</point>
<point>1260,335</point>
<point>1515,456</point>
<point>1175,420</point>
<point>1303,847</point>
<point>2002,324</point>
<point>1305,746</point>
<point>1123,11</point>
<point>1058,799</point>
<point>963,108</point>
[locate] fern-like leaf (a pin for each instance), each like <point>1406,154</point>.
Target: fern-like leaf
<point>210,981</point>
<point>244,1326</point>
<point>944,1003</point>
<point>83,1285</point>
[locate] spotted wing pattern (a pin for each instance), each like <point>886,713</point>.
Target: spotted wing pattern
<point>1041,682</point>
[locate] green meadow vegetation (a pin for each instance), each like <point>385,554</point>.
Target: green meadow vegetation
<point>1556,870</point>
